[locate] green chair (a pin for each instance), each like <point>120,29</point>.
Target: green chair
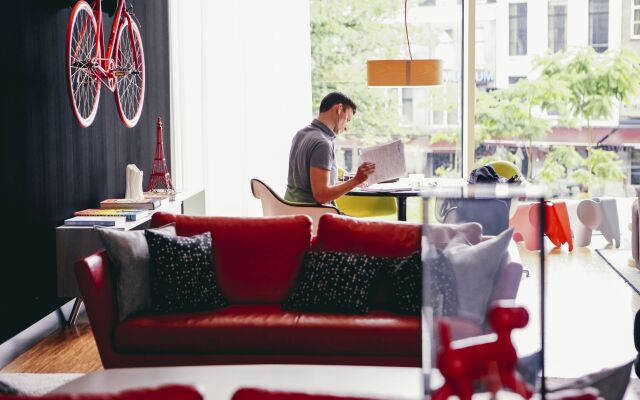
<point>369,206</point>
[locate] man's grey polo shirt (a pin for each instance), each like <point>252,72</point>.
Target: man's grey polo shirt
<point>312,146</point>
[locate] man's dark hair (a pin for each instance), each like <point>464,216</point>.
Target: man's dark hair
<point>334,98</point>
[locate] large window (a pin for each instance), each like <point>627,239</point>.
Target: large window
<point>517,29</point>
<point>347,33</point>
<point>599,25</point>
<point>557,25</point>
<point>635,19</point>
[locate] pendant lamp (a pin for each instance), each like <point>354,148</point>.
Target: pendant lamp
<point>404,72</point>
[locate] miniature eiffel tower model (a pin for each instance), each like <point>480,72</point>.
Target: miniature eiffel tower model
<point>160,173</point>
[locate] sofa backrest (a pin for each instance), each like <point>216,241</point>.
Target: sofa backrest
<point>256,259</point>
<point>376,238</point>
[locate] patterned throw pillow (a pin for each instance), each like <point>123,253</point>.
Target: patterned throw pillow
<point>405,283</point>
<point>182,273</point>
<point>335,282</point>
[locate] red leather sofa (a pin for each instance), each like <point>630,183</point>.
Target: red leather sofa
<point>257,261</point>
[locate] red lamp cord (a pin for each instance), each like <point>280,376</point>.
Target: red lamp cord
<point>406,29</point>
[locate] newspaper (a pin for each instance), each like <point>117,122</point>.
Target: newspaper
<point>389,160</point>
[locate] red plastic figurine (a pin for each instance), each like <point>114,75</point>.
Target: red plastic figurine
<point>491,358</point>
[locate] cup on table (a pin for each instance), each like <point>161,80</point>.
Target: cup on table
<point>416,180</point>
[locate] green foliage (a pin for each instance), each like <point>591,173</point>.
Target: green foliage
<point>344,35</point>
<point>594,81</point>
<point>498,156</point>
<point>558,162</point>
<point>606,165</point>
<point>519,110</point>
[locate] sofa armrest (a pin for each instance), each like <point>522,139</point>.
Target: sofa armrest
<point>97,291</point>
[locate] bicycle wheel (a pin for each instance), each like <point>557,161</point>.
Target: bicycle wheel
<point>82,58</point>
<point>129,72</point>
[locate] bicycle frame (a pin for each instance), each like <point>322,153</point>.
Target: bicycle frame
<point>105,66</point>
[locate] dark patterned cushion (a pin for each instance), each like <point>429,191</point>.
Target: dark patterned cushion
<point>334,282</point>
<point>405,284</point>
<point>182,273</point>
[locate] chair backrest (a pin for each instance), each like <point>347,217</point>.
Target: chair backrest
<point>272,204</point>
<point>492,214</point>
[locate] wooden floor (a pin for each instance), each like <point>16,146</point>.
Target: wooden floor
<point>589,321</point>
<point>71,349</point>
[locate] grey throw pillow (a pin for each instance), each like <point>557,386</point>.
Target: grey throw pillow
<point>128,253</point>
<point>475,269</point>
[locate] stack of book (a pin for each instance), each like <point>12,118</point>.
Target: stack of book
<point>113,222</point>
<point>145,204</point>
<point>130,214</point>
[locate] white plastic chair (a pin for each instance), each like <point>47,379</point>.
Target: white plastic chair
<point>272,204</point>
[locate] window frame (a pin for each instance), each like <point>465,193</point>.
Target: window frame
<point>589,21</point>
<point>520,5</point>
<point>634,7</point>
<point>552,5</point>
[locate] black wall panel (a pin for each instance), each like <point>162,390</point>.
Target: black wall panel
<point>49,165</point>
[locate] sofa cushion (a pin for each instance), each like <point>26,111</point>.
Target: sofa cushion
<point>335,282</point>
<point>267,329</point>
<point>248,267</point>
<point>404,277</point>
<point>375,238</point>
<point>128,253</point>
<point>182,274</point>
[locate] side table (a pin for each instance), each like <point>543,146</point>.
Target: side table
<point>73,243</point>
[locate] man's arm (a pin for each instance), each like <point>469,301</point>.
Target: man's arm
<point>324,193</point>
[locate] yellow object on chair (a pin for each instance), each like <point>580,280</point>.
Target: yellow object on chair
<point>506,169</point>
<point>361,206</point>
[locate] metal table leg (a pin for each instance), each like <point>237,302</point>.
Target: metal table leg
<point>402,208</point>
<point>74,312</point>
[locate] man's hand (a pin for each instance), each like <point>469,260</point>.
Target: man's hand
<point>364,170</point>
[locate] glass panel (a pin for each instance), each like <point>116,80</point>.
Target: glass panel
<point>530,115</point>
<point>347,33</point>
<point>465,245</point>
<point>636,15</point>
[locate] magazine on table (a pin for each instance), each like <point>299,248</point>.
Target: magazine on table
<point>389,160</point>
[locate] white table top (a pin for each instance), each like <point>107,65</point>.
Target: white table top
<point>221,381</point>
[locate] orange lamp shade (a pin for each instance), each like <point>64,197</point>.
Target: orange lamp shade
<point>404,72</point>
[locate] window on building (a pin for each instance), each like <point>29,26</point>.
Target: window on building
<point>452,117</point>
<point>635,19</point>
<point>599,25</point>
<point>557,25</point>
<point>407,104</point>
<point>515,79</point>
<point>427,2</point>
<point>517,29</point>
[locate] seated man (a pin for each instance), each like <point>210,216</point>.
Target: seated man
<point>312,165</point>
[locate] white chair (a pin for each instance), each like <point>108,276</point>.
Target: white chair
<point>272,204</point>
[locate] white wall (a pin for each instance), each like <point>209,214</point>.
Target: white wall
<point>247,73</point>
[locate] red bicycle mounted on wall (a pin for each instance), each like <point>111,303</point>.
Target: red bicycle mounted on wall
<point>120,67</point>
